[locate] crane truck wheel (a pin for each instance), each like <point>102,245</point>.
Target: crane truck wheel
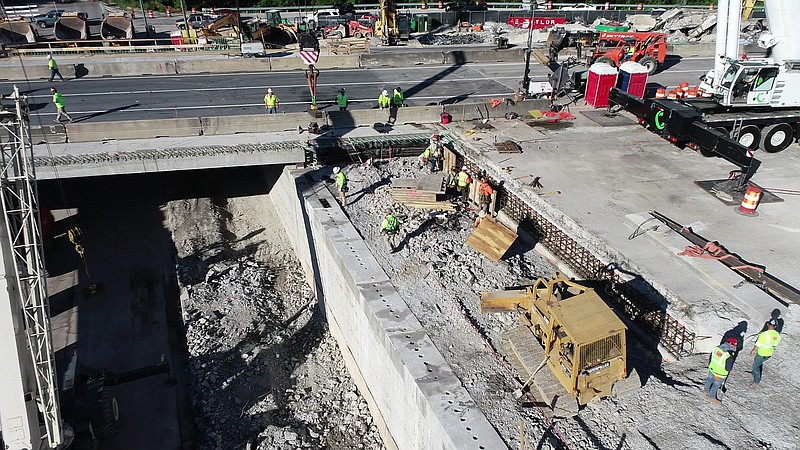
<point>750,136</point>
<point>651,64</point>
<point>776,137</point>
<point>106,426</point>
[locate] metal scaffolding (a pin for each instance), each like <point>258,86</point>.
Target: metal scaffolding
<point>29,296</point>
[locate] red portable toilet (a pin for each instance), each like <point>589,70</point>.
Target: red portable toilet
<point>632,78</point>
<point>602,77</point>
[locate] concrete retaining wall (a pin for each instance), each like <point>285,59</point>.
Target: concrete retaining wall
<point>416,394</point>
<point>100,131</point>
<point>255,123</point>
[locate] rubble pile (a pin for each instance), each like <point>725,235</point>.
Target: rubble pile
<point>451,39</point>
<point>684,26</point>
<point>265,371</point>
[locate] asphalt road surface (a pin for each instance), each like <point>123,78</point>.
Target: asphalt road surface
<point>203,95</point>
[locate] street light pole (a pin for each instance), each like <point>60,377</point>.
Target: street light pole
<point>144,16</point>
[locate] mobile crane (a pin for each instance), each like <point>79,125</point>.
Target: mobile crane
<point>755,102</point>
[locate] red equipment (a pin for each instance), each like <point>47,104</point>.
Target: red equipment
<point>649,49</point>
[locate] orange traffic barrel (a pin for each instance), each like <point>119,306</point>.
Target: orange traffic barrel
<point>672,95</point>
<point>661,93</point>
<point>691,93</point>
<point>684,86</point>
<point>750,201</point>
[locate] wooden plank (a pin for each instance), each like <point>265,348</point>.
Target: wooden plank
<point>492,239</point>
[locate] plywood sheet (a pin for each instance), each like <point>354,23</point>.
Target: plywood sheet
<point>492,239</point>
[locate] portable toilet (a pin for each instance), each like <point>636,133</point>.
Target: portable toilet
<point>632,78</point>
<point>602,77</point>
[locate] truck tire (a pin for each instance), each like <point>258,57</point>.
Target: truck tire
<point>606,60</point>
<point>106,426</point>
<point>750,136</point>
<point>651,64</point>
<point>776,137</point>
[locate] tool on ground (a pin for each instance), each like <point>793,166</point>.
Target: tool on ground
<point>707,249</point>
<point>507,168</point>
<point>569,327</point>
<point>75,236</point>
<point>535,183</point>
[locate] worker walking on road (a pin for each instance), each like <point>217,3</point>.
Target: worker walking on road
<point>341,100</point>
<point>485,192</point>
<point>462,186</point>
<point>765,347</point>
<point>53,66</point>
<point>384,101</point>
<point>720,364</point>
<point>271,102</point>
<point>58,99</point>
<point>341,183</point>
<point>389,228</point>
<point>397,97</point>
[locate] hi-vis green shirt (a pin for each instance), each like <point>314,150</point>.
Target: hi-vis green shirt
<point>52,64</point>
<point>390,223</point>
<point>58,99</point>
<point>767,341</point>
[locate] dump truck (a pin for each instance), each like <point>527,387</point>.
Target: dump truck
<point>568,343</point>
<point>17,31</point>
<point>117,26</point>
<point>72,27</point>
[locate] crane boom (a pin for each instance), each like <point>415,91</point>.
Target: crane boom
<point>24,312</point>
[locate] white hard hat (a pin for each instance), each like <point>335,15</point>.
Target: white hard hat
<point>49,56</point>
<point>269,90</point>
<point>464,168</point>
<point>336,170</point>
<point>385,92</point>
<point>482,213</point>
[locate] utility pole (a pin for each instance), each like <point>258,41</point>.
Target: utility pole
<point>144,16</point>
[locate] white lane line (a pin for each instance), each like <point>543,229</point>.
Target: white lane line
<point>286,86</point>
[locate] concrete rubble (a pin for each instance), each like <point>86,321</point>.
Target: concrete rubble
<point>265,371</point>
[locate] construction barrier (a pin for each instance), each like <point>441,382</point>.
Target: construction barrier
<point>661,93</point>
<point>549,5</point>
<point>711,7</point>
<point>608,6</point>
<point>441,5</point>
<point>169,12</point>
<point>194,10</point>
<point>150,14</point>
<point>639,7</point>
<point>750,201</point>
<point>424,5</point>
<point>684,86</point>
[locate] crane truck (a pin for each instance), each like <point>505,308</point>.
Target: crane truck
<point>755,102</point>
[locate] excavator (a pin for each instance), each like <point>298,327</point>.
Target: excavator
<point>272,31</point>
<point>392,27</point>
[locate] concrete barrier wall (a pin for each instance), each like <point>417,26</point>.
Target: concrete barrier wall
<point>52,134</point>
<point>190,66</point>
<point>255,123</point>
<point>138,129</point>
<point>416,394</point>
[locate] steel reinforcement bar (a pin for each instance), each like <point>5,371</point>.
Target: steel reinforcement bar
<point>632,295</point>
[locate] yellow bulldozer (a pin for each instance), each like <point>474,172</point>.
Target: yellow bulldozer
<point>568,328</point>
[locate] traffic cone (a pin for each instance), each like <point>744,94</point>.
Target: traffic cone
<point>194,10</point>
<point>750,201</point>
<point>549,5</point>
<point>424,5</point>
<point>150,14</point>
<point>441,5</point>
<point>639,7</point>
<point>169,12</point>
<point>608,6</point>
<point>212,10</point>
<point>711,7</point>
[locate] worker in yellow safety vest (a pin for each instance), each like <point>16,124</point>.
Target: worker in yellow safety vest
<point>53,66</point>
<point>341,100</point>
<point>452,182</point>
<point>271,102</point>
<point>389,228</point>
<point>765,347</point>
<point>397,97</point>
<point>384,100</point>
<point>462,185</point>
<point>720,364</point>
<point>341,183</point>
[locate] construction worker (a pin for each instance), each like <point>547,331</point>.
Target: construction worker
<point>53,66</point>
<point>424,157</point>
<point>384,100</point>
<point>452,182</point>
<point>629,51</point>
<point>765,347</point>
<point>58,99</point>
<point>485,192</point>
<point>341,100</point>
<point>271,102</point>
<point>720,364</point>
<point>462,185</point>
<point>435,157</point>
<point>341,183</point>
<point>389,228</point>
<point>397,97</point>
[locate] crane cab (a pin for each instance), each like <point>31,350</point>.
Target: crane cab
<point>759,84</point>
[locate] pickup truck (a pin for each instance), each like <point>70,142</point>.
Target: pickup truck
<point>50,18</point>
<point>196,21</point>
